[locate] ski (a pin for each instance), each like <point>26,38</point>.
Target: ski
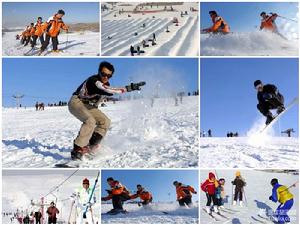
<point>258,220</point>
<point>218,213</point>
<point>116,212</point>
<point>226,211</point>
<point>68,164</point>
<point>289,106</point>
<point>232,210</point>
<point>270,218</point>
<point>211,215</point>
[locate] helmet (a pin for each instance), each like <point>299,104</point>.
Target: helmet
<point>40,18</point>
<point>86,181</point>
<point>213,12</point>
<point>263,13</point>
<point>110,179</point>
<point>61,12</point>
<point>274,181</point>
<point>138,185</point>
<point>238,173</point>
<point>257,82</point>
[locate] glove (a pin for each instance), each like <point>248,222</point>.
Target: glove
<point>232,182</point>
<point>102,199</point>
<point>270,198</point>
<point>195,192</point>
<point>108,191</point>
<point>135,86</point>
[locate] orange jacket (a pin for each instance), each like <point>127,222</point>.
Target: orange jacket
<point>53,26</point>
<point>184,191</point>
<point>38,29</point>
<point>268,23</point>
<point>32,31</point>
<point>116,189</point>
<point>219,25</point>
<point>143,195</point>
<point>27,32</point>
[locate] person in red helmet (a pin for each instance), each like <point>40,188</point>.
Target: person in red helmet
<point>209,187</point>
<point>219,24</point>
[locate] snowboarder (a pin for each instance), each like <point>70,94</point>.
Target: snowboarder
<point>143,194</point>
<point>219,24</point>
<point>131,50</point>
<point>220,193</point>
<point>84,106</point>
<point>281,194</point>
<point>37,106</point>
<point>184,194</point>
<point>52,28</point>
<point>268,98</point>
<point>52,211</point>
<point>38,32</point>
<point>239,183</point>
<point>82,201</point>
<point>209,187</point>
<point>38,217</point>
<point>268,22</point>
<point>118,193</point>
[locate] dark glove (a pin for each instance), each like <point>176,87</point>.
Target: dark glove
<point>270,198</point>
<point>135,86</point>
<point>102,199</point>
<point>232,182</point>
<point>108,191</point>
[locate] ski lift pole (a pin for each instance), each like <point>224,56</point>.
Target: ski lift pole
<point>91,196</point>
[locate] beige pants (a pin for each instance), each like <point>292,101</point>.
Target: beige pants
<point>92,118</point>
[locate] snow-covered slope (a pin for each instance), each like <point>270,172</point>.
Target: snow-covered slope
<point>270,152</point>
<point>257,190</point>
<point>140,136</point>
<point>159,213</point>
<point>118,31</point>
<point>22,187</point>
<point>243,44</point>
<point>77,43</point>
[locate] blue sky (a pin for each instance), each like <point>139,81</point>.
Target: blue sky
<point>228,98</point>
<point>245,16</point>
<point>158,182</point>
<point>16,14</point>
<point>51,80</point>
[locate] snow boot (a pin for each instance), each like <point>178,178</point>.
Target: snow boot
<point>234,203</point>
<point>78,152</point>
<point>94,143</point>
<point>241,203</point>
<point>216,209</point>
<point>280,109</point>
<point>208,209</point>
<point>269,119</point>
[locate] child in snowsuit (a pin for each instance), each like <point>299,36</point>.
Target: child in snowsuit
<point>239,188</point>
<point>184,194</point>
<point>281,194</point>
<point>220,193</point>
<point>143,194</point>
<point>209,187</point>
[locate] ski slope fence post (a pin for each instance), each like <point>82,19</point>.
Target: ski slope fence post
<point>91,195</point>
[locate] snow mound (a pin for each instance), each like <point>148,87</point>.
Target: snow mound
<point>255,43</point>
<point>157,213</point>
<point>140,136</point>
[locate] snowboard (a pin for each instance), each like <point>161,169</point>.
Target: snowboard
<point>277,117</point>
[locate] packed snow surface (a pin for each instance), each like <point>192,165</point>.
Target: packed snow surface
<point>118,30</point>
<point>257,43</point>
<point>157,213</point>
<point>164,135</point>
<point>257,191</point>
<point>84,43</point>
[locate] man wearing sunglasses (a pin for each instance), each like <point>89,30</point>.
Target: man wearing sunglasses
<point>84,106</point>
<point>268,98</point>
<point>219,25</point>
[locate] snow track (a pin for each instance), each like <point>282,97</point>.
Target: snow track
<point>162,136</point>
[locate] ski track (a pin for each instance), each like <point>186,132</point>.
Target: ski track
<point>237,152</point>
<point>183,40</point>
<point>148,137</point>
<point>79,43</point>
<point>244,44</point>
<point>257,191</point>
<point>153,215</point>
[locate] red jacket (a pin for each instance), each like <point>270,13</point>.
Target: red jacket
<point>209,186</point>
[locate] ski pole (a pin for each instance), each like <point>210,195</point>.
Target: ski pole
<point>91,196</point>
<point>293,185</point>
<point>283,17</point>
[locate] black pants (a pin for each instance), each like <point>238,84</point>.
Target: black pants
<point>273,103</point>
<point>51,220</point>
<point>211,199</point>
<point>27,40</point>
<point>37,220</point>
<point>146,202</point>
<point>34,39</point>
<point>118,200</point>
<point>238,194</point>
<point>23,40</point>
<point>187,201</point>
<point>47,41</point>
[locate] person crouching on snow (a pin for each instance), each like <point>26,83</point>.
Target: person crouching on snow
<point>84,106</point>
<point>143,194</point>
<point>83,204</point>
<point>118,193</point>
<point>52,28</point>
<point>184,194</point>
